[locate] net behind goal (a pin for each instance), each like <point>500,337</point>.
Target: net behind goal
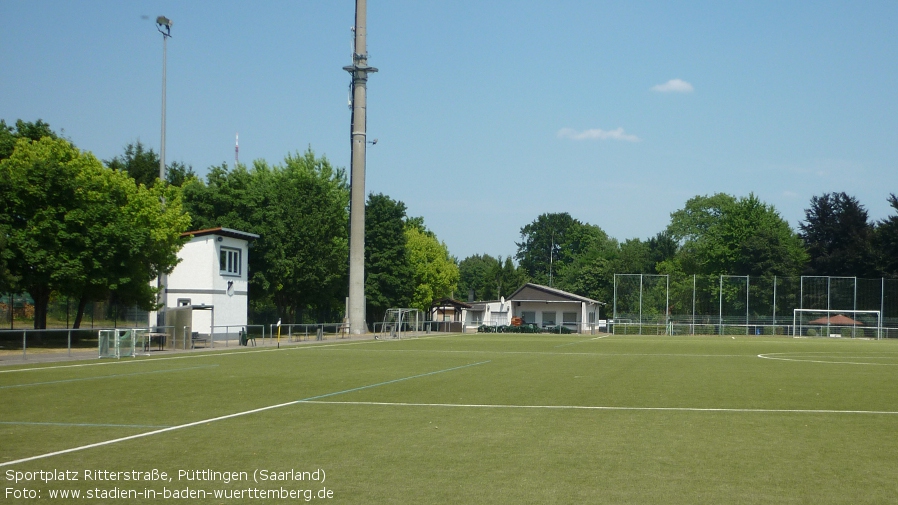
<point>837,323</point>
<point>400,323</point>
<point>120,343</point>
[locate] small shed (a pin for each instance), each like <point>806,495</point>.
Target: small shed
<point>213,272</point>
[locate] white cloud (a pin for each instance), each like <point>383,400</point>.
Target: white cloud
<point>597,134</point>
<point>674,86</point>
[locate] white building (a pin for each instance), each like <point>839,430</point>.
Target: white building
<point>213,272</point>
<point>489,313</point>
<point>545,306</point>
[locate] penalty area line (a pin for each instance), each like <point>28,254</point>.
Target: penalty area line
<point>582,341</point>
<point>229,416</point>
<point>597,407</point>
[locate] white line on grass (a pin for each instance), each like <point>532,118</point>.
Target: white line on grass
<point>581,341</point>
<point>229,416</point>
<point>83,425</point>
<point>105,376</point>
<point>550,353</point>
<point>800,359</point>
<point>588,407</point>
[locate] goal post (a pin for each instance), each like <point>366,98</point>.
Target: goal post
<point>119,343</point>
<point>401,320</point>
<point>837,323</point>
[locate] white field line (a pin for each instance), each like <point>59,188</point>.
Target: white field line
<point>589,407</point>
<point>795,357</point>
<point>98,377</point>
<point>82,425</point>
<point>551,353</point>
<point>582,341</point>
<point>229,416</point>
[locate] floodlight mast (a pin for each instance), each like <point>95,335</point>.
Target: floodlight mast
<point>359,71</point>
<point>163,23</point>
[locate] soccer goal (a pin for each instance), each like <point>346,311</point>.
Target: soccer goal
<point>401,321</point>
<point>120,343</point>
<point>837,323</point>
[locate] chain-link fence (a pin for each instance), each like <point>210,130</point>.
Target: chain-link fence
<point>743,305</point>
<point>17,312</point>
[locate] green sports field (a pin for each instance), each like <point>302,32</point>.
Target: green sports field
<point>463,419</point>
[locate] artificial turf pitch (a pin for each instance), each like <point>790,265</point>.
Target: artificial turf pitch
<point>492,418</point>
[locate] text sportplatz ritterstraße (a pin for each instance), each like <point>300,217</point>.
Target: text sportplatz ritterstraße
<point>103,484</point>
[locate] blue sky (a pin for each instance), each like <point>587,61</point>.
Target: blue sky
<point>488,114</point>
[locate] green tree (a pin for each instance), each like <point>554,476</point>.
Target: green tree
<point>720,234</point>
<point>142,165</point>
<point>77,228</point>
<point>300,212</point>
<point>506,277</point>
<point>886,240</point>
<point>389,275</point>
<point>22,130</point>
<point>476,277</point>
<point>435,270</point>
<point>839,237</point>
<point>552,242</point>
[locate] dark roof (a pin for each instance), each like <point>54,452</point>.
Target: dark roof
<point>224,232</point>
<point>449,302</point>
<point>538,292</point>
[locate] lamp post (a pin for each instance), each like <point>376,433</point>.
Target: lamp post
<point>163,24</point>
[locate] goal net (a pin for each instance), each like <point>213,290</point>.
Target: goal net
<point>837,323</point>
<point>120,343</point>
<point>401,322</point>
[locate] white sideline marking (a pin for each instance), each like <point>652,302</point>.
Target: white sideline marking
<point>582,341</point>
<point>229,416</point>
<point>549,353</point>
<point>588,407</point>
<point>107,376</point>
<point>83,425</point>
<point>796,357</point>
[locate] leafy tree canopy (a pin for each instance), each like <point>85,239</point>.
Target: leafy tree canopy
<point>142,165</point>
<point>887,240</point>
<point>839,237</point>
<point>389,274</point>
<point>80,229</point>
<point>300,211</point>
<point>435,270</point>
<point>554,241</point>
<point>721,234</point>
<point>22,130</point>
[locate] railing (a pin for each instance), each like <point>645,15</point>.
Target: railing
<point>62,342</point>
<point>238,328</point>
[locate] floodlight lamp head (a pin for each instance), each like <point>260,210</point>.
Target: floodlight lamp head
<point>164,22</point>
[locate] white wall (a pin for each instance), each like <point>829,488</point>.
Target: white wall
<point>197,277</point>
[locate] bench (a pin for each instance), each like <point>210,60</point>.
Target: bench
<point>196,337</point>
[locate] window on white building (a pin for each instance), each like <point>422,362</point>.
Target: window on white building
<point>569,317</point>
<point>549,318</point>
<point>528,317</point>
<point>229,261</point>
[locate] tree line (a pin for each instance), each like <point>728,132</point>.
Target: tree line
<point>711,235</point>
<point>72,225</point>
